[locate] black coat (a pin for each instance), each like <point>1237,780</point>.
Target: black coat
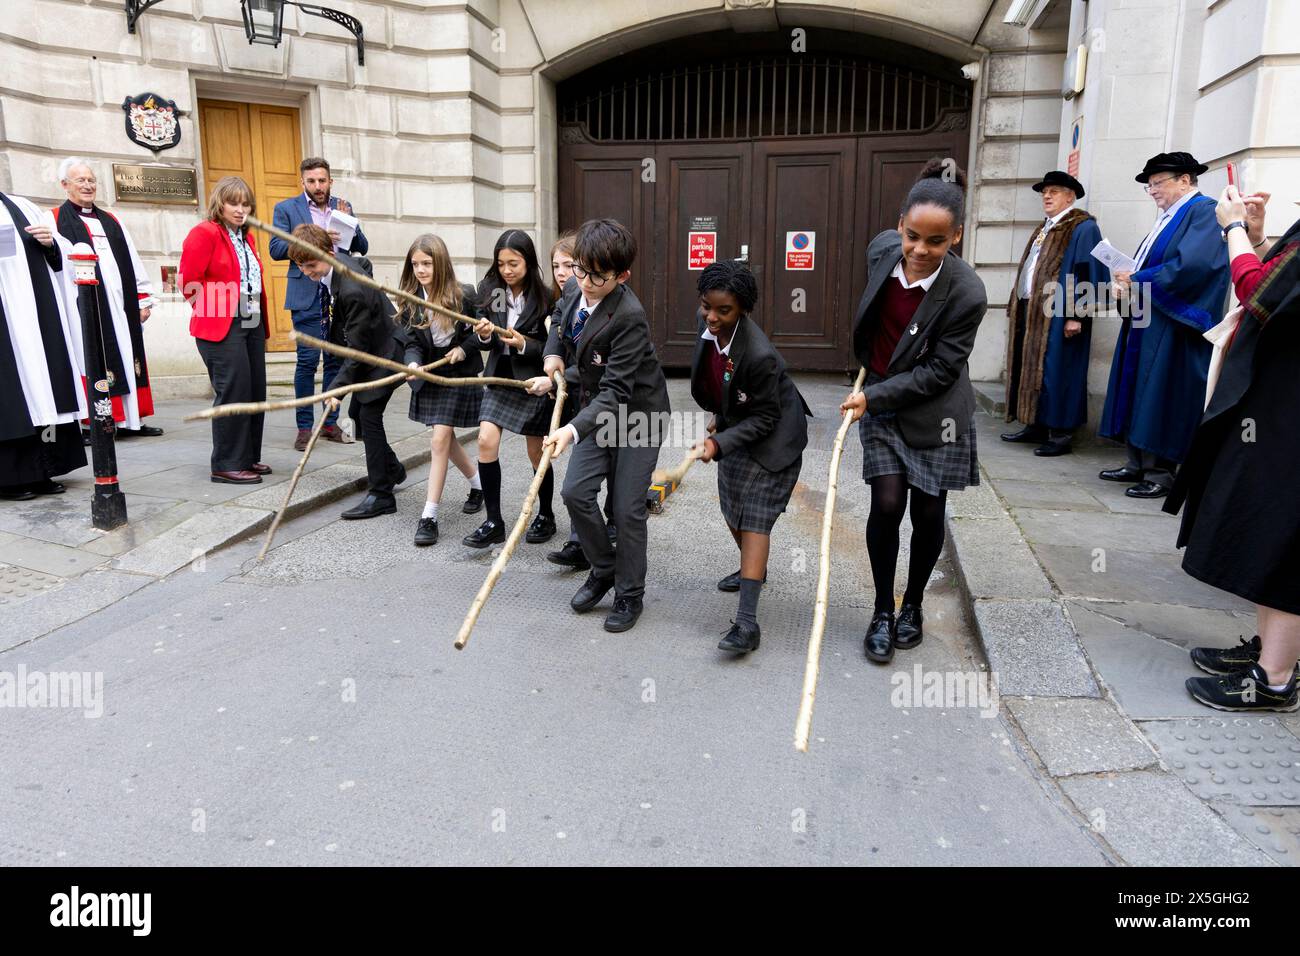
<point>418,346</point>
<point>928,385</point>
<point>615,363</point>
<point>362,319</point>
<point>762,410</point>
<point>502,361</point>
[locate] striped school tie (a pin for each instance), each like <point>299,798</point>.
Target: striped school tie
<point>579,321</point>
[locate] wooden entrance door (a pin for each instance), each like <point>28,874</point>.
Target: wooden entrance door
<point>263,145</point>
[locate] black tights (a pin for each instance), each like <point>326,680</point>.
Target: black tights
<point>888,501</point>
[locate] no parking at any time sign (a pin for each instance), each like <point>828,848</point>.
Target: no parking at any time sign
<point>799,251</point>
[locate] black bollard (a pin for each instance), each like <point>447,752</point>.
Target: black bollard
<point>108,505</point>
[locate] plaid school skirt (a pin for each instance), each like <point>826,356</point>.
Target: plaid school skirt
<point>514,410</point>
<point>753,497</point>
<point>444,405</point>
<point>950,467</point>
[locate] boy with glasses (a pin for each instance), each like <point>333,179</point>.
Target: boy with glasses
<point>600,338</point>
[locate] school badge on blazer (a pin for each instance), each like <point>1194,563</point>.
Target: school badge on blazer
<point>597,358</point>
<point>741,397</point>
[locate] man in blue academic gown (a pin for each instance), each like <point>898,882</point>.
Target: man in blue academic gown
<point>1179,291</point>
<point>1050,320</point>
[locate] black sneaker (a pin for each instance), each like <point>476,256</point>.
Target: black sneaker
<point>907,629</point>
<point>624,616</point>
<point>542,529</point>
<point>426,532</point>
<point>1227,660</point>
<point>740,639</point>
<point>1246,690</point>
<point>474,503</point>
<point>570,556</point>
<point>487,534</point>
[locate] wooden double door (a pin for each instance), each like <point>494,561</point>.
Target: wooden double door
<point>763,200</point>
<point>262,144</point>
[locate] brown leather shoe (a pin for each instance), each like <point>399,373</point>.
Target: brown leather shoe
<point>304,436</point>
<point>332,433</point>
<point>261,469</point>
<point>237,477</point>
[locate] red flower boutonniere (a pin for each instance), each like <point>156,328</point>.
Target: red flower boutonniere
<point>726,372</point>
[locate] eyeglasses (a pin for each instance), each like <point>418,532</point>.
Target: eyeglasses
<point>1153,184</point>
<point>597,279</point>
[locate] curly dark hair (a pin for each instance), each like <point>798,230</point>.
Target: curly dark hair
<point>941,183</point>
<point>730,275</point>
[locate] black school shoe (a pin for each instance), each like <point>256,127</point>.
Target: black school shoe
<point>879,642</point>
<point>1227,660</point>
<point>17,492</point>
<point>1246,690</point>
<point>144,431</point>
<point>624,616</point>
<point>732,582</point>
<point>570,556</point>
<point>907,629</point>
<point>426,532</point>
<point>1146,489</point>
<point>372,506</point>
<point>474,503</point>
<point>488,533</point>
<point>590,594</point>
<point>741,639</point>
<point>542,529</point>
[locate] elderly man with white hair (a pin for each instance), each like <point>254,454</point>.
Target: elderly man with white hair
<point>125,296</point>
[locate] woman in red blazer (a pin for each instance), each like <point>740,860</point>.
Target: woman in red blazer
<point>221,275</point>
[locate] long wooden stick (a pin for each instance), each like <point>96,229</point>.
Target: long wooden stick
<point>803,725</point>
<point>661,476</point>
<point>311,443</point>
<point>344,352</point>
<point>361,277</point>
<point>499,564</point>
<point>256,408</point>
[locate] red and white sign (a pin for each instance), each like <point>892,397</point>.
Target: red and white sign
<point>701,249</point>
<point>800,248</point>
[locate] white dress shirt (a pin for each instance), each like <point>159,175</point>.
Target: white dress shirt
<point>1166,217</point>
<point>1026,285</point>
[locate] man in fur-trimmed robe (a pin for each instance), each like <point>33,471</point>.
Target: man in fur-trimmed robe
<point>125,296</point>
<point>1058,287</point>
<point>41,395</point>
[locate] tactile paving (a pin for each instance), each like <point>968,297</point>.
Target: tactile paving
<point>17,584</point>
<point>1250,760</point>
<point>1275,830</point>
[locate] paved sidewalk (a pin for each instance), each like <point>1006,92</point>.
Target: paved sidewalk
<point>61,568</point>
<point>1086,615</point>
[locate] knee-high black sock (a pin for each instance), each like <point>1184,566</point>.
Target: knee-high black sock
<point>490,474</point>
<point>888,501</point>
<point>927,541</point>
<point>546,494</point>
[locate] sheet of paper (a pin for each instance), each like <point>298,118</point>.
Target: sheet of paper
<point>8,241</point>
<point>345,226</point>
<point>1112,258</point>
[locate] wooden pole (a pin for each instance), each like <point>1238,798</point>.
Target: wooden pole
<point>675,475</point>
<point>256,408</point>
<point>344,352</point>
<point>361,277</point>
<point>311,443</point>
<point>500,563</point>
<point>803,725</point>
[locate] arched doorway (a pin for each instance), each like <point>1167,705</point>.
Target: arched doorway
<point>760,152</point>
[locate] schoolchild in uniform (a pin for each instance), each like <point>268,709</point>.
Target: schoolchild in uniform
<point>428,337</point>
<point>913,333</point>
<point>512,296</point>
<point>758,432</point>
<point>603,333</point>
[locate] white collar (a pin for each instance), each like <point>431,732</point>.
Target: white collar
<point>1059,216</point>
<point>708,336</point>
<point>325,279</point>
<point>923,283</point>
<point>1168,213</point>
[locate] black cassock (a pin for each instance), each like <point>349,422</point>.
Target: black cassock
<point>31,452</point>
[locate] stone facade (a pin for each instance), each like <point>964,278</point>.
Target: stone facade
<point>450,125</point>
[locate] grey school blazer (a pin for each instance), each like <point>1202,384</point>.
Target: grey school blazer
<point>928,385</point>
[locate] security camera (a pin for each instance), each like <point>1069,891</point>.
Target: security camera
<point>971,71</point>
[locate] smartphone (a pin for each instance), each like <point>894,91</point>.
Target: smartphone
<point>1234,178</point>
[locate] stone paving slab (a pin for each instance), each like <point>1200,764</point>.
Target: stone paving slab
<point>1033,650</point>
<point>1080,735</point>
<point>1143,533</point>
<point>1151,819</point>
<point>1275,830</point>
<point>1048,495</point>
<point>1241,758</point>
<point>193,538</point>
<point>47,557</point>
<point>1128,576</point>
<point>19,584</point>
<point>995,561</point>
<point>76,599</point>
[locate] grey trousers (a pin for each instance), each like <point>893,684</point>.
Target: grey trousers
<point>1154,468</point>
<point>628,471</point>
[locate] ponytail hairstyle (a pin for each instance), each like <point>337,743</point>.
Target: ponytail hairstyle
<point>941,183</point>
<point>730,275</point>
<point>445,290</point>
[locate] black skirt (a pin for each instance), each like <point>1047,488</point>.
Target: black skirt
<point>28,460</point>
<point>1244,537</point>
<point>458,406</point>
<point>752,497</point>
<point>514,410</point>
